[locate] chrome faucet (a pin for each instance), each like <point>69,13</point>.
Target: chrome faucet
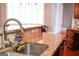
<point>4,32</point>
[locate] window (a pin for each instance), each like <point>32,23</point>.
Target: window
<point>26,12</point>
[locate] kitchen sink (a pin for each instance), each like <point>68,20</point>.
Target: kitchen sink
<point>30,49</point>
<point>33,49</point>
<point>3,54</point>
<point>11,54</point>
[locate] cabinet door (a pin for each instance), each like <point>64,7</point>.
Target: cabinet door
<point>76,11</point>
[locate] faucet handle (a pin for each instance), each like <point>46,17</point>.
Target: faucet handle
<point>7,43</point>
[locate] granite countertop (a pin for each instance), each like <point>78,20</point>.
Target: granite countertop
<point>52,40</point>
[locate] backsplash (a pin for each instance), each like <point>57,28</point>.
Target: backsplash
<point>31,35</point>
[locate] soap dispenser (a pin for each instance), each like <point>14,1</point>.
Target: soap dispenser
<point>17,38</point>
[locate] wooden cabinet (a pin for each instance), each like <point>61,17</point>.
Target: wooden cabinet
<point>70,52</point>
<point>76,11</point>
<point>72,39</point>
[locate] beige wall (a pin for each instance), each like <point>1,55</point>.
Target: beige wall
<point>68,15</point>
<point>53,16</point>
<point>48,14</point>
<point>2,13</point>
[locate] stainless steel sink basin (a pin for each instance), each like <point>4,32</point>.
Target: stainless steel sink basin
<point>30,49</point>
<point>11,54</point>
<point>3,54</point>
<point>33,49</point>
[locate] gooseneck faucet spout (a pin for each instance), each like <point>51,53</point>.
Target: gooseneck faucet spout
<point>4,32</point>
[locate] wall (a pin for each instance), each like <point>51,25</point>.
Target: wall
<point>57,14</point>
<point>2,13</point>
<point>68,13</point>
<point>53,16</point>
<point>48,15</point>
